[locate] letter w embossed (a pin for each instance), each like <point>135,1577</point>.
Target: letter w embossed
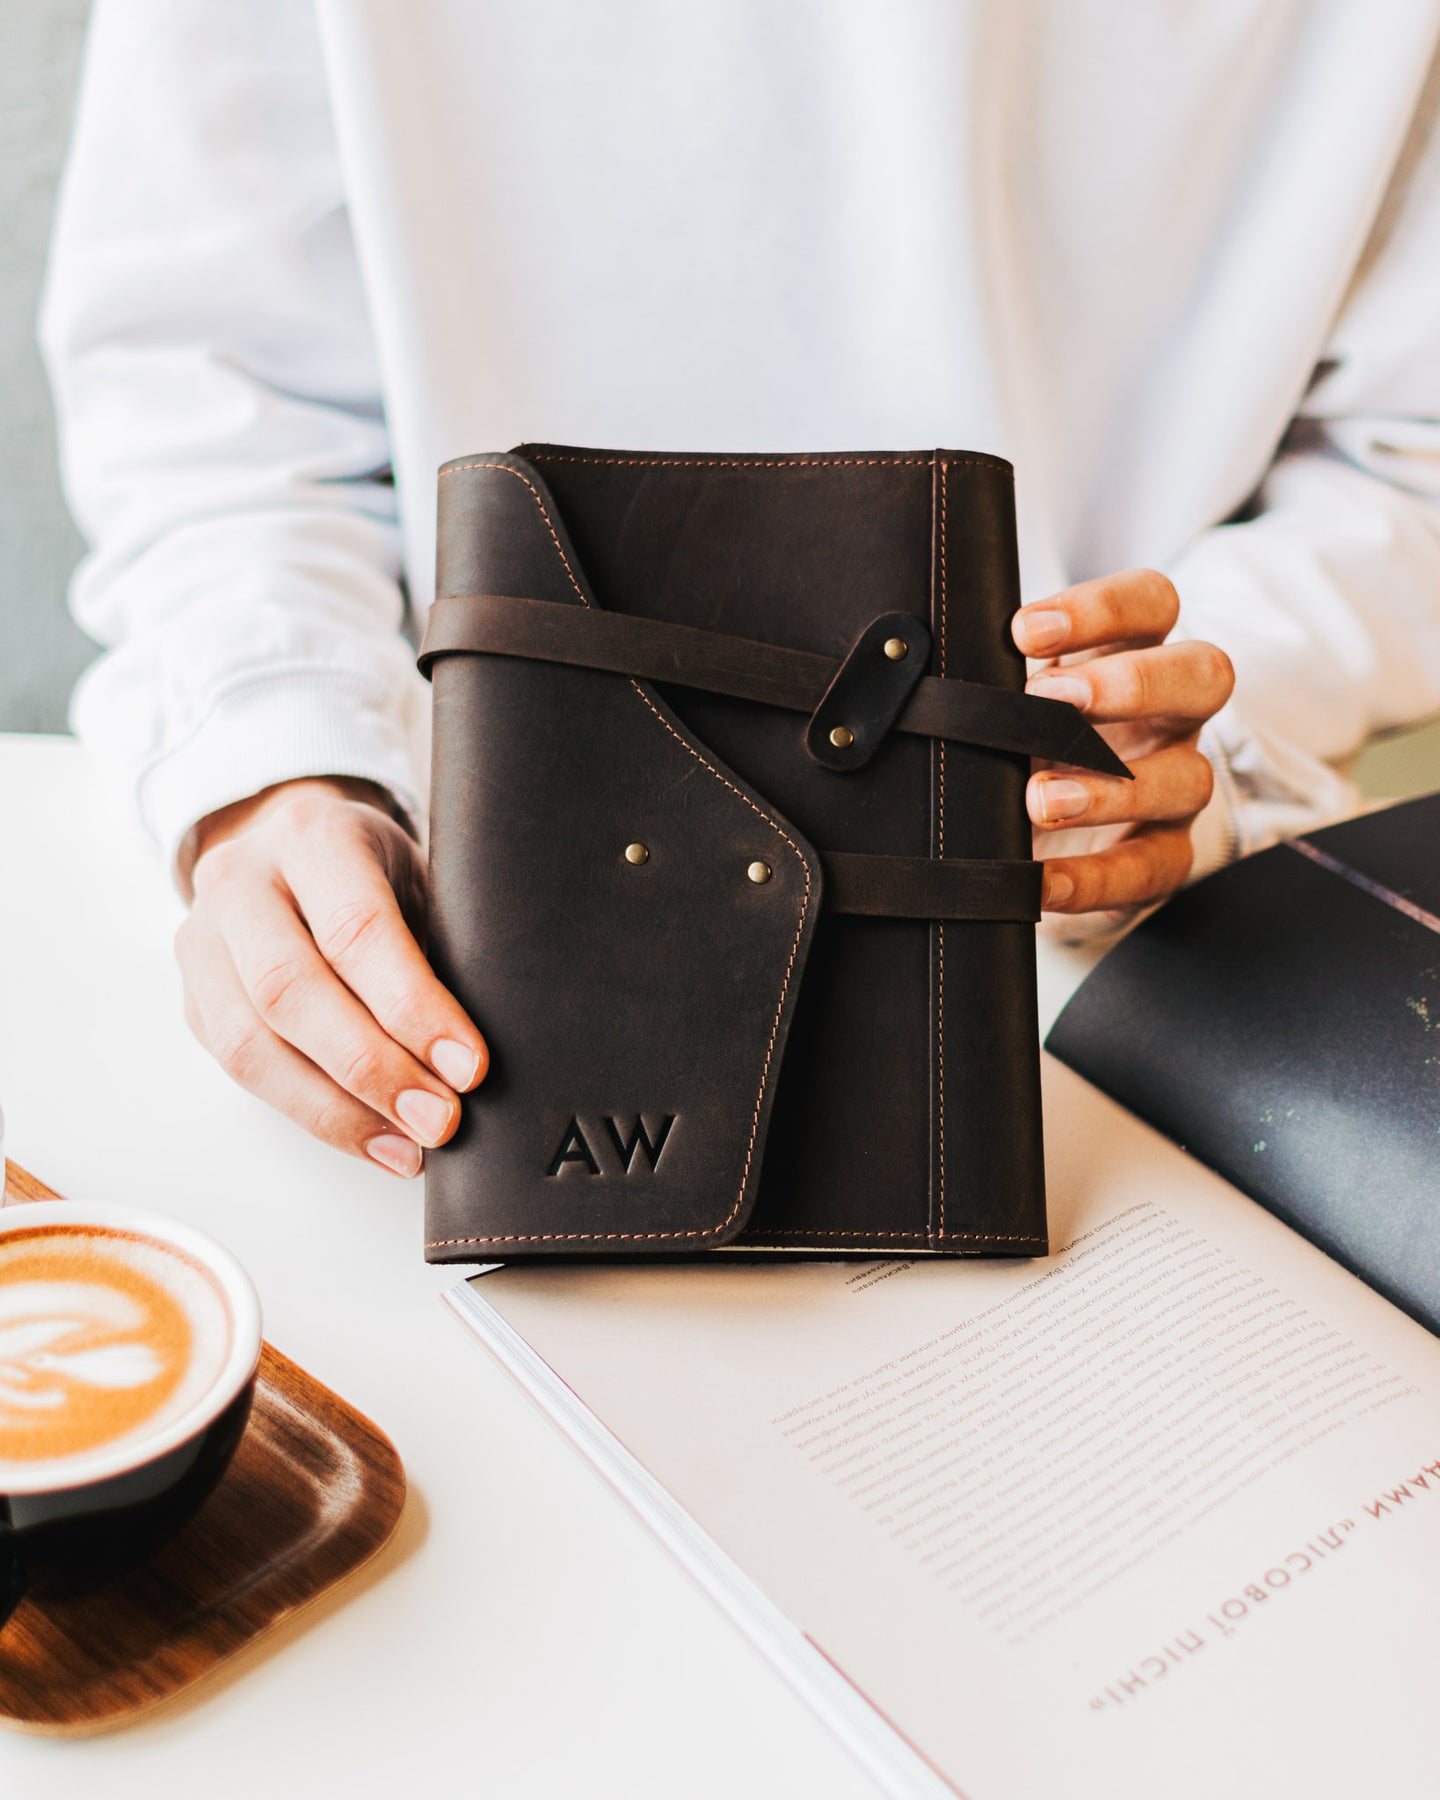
<point>640,1139</point>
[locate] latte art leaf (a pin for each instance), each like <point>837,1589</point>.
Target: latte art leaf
<point>37,1370</point>
<point>96,1341</point>
<point>37,1360</point>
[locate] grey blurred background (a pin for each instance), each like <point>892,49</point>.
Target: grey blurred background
<point>41,651</point>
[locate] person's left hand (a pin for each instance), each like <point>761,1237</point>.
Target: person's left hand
<point>1149,700</point>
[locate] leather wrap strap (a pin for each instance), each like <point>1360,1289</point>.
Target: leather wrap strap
<point>923,887</point>
<point>963,712</point>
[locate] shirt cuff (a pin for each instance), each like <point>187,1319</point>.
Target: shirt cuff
<point>1215,833</point>
<point>278,728</point>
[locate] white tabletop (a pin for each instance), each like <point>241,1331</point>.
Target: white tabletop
<point>522,1634</point>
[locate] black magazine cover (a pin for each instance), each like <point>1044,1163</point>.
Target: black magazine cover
<point>1280,1020</point>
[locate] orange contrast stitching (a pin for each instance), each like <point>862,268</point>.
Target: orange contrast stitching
<point>736,462</point>
<point>711,1230</point>
<point>763,462</point>
<point>776,461</point>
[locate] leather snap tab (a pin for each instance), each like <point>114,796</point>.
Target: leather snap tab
<point>869,690</point>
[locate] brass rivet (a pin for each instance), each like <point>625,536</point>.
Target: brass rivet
<point>895,648</point>
<point>842,737</point>
<point>759,873</point>
<point>636,853</point>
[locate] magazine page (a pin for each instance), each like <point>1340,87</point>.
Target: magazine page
<point>1157,1513</point>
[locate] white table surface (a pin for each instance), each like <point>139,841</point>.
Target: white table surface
<point>522,1634</point>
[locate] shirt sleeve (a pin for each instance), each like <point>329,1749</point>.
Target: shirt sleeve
<point>222,438</point>
<point>1326,595</point>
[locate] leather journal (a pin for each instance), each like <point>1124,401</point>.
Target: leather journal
<point>729,855</point>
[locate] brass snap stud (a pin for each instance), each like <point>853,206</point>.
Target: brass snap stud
<point>842,737</point>
<point>895,648</point>
<point>637,854</point>
<point>759,873</point>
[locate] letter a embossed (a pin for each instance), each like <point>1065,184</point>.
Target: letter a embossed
<point>574,1148</point>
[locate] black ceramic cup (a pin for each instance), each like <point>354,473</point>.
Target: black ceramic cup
<point>70,1521</point>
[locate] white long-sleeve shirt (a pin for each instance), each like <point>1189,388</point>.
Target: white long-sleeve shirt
<point>1179,262</point>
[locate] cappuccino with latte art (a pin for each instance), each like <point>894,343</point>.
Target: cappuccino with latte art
<point>106,1338</point>
<point>129,1349</point>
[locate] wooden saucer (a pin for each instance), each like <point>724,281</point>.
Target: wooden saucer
<point>313,1493</point>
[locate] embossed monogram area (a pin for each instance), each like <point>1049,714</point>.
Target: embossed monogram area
<point>105,1336</point>
<point>624,1147</point>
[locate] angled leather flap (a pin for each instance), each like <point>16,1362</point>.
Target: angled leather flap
<point>625,918</point>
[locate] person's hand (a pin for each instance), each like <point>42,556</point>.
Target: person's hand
<point>303,974</point>
<point>1149,700</point>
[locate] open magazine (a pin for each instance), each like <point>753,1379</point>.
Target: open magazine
<point>1281,1021</point>
<point>1156,1515</point>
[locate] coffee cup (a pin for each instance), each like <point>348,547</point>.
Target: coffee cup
<point>129,1345</point>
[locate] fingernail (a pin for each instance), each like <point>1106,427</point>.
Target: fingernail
<point>1058,889</point>
<point>397,1154</point>
<point>427,1115</point>
<point>1062,800</point>
<point>1044,631</point>
<point>1061,687</point>
<point>454,1063</point>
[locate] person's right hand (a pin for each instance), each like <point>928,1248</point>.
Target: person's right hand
<point>303,974</point>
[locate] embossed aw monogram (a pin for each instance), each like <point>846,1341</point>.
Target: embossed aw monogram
<point>638,1151</point>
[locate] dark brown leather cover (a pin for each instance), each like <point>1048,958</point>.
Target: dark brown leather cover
<point>685,1058</point>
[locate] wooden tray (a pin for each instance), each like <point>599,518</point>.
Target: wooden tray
<point>314,1492</point>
